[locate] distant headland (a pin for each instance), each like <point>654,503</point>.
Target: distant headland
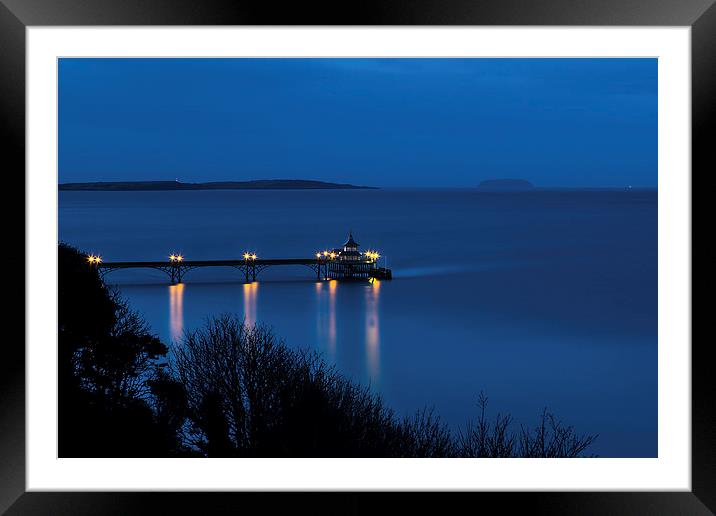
<point>506,184</point>
<point>260,184</point>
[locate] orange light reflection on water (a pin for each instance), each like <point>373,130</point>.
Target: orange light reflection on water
<point>250,295</point>
<point>176,311</point>
<point>372,330</point>
<point>332,330</point>
<point>326,317</point>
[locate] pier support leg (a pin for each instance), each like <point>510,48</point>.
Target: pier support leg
<point>175,274</point>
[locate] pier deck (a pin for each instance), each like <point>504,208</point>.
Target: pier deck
<point>324,269</point>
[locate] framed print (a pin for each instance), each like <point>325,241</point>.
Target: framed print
<point>440,248</point>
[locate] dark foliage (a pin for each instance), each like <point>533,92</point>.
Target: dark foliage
<point>107,359</point>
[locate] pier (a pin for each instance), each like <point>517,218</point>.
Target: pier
<point>345,263</point>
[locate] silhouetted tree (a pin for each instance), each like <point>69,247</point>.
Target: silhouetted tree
<point>210,417</point>
<point>548,439</point>
<point>168,400</point>
<point>483,438</point>
<point>106,359</point>
<point>118,364</point>
<point>551,439</point>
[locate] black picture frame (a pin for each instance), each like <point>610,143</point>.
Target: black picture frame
<point>17,15</point>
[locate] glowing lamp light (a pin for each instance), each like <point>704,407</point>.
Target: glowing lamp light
<point>318,255</point>
<point>246,256</point>
<point>253,256</point>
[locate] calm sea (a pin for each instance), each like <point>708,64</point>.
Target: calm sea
<point>538,299</point>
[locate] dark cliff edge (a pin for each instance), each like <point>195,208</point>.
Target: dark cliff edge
<point>263,184</point>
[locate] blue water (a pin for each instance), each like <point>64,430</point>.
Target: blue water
<point>542,298</point>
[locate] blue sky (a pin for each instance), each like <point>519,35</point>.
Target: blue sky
<point>382,122</point>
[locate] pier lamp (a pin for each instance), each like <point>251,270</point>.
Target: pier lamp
<point>253,256</point>
<point>333,255</point>
<point>318,255</point>
<point>180,258</point>
<point>172,257</point>
<point>247,256</point>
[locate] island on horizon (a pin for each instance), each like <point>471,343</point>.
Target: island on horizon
<point>260,184</point>
<point>506,184</point>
